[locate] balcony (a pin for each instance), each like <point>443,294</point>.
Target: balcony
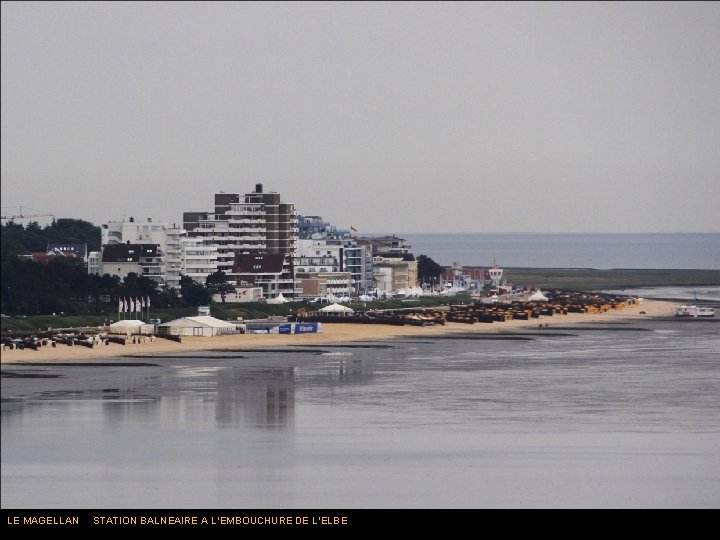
<point>245,246</point>
<point>270,281</point>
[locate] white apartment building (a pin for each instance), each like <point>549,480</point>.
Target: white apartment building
<point>325,255</point>
<point>93,263</point>
<point>142,259</point>
<point>198,260</point>
<point>383,276</point>
<point>336,254</point>
<point>166,237</point>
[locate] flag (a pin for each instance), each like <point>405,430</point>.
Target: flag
<point>353,229</point>
<point>125,306</point>
<point>132,305</point>
<point>148,302</point>
<point>120,305</point>
<point>142,299</point>
<point>137,304</point>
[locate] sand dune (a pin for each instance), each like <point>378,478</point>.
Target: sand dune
<point>332,333</point>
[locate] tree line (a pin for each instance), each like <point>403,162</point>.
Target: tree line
<point>64,286</point>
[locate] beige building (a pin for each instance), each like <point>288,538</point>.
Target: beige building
<point>321,284</point>
<point>393,274</point>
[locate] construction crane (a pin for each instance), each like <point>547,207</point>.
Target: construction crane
<point>21,215</point>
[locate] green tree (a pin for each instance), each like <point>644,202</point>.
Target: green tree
<point>428,270</point>
<point>193,293</point>
<point>30,288</point>
<point>16,239</point>
<point>217,283</point>
<point>167,297</point>
<point>139,286</point>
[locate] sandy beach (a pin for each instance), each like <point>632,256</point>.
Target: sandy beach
<point>332,333</point>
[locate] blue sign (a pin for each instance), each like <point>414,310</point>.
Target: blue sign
<point>306,328</point>
<point>285,329</point>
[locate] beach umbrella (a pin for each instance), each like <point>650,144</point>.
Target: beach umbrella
<point>538,296</point>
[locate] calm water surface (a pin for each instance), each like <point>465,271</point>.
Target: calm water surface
<point>623,415</point>
<point>601,251</point>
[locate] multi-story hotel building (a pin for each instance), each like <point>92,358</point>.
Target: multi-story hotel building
<point>338,249</point>
<point>256,224</point>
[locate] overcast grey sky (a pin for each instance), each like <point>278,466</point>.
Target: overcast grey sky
<point>406,117</point>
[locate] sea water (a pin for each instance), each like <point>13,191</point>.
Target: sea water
<point>599,251</point>
<point>592,415</point>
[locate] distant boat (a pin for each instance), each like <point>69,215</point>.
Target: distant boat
<point>694,311</point>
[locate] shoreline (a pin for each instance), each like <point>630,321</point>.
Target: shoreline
<point>333,333</point>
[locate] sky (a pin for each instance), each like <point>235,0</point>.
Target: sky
<point>402,117</point>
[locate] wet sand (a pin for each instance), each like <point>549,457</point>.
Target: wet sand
<point>332,333</point>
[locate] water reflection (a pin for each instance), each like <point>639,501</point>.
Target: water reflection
<point>120,412</point>
<point>179,392</point>
<point>453,423</point>
<point>340,369</point>
<point>262,398</point>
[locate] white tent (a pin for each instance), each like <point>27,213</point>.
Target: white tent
<point>280,299</point>
<point>129,326</point>
<point>538,296</point>
<point>203,325</point>
<point>337,308</point>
